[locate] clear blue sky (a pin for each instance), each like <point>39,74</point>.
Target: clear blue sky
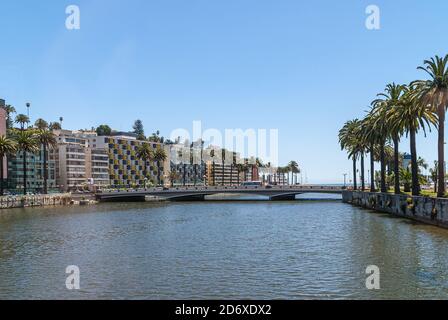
<point>304,67</point>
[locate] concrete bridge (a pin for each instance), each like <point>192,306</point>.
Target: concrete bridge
<point>199,193</point>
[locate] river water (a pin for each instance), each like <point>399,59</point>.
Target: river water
<point>219,250</point>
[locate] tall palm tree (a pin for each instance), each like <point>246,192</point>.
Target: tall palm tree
<point>212,155</point>
<point>369,138</point>
<point>391,99</point>
<point>223,159</point>
<point>347,140</point>
<point>410,116</point>
<point>10,110</point>
<point>22,120</point>
<point>159,155</point>
<point>48,140</point>
<point>294,168</point>
<point>381,128</point>
<point>27,142</point>
<point>7,146</point>
<point>145,153</point>
<point>434,93</point>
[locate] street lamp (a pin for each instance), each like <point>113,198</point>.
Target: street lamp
<point>28,105</point>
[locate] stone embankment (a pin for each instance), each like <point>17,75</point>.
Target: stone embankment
<point>424,209</point>
<point>21,201</point>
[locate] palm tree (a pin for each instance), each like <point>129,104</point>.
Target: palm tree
<point>391,99</point>
<point>9,112</point>
<point>410,116</point>
<point>7,146</point>
<point>27,142</point>
<point>22,120</point>
<point>434,93</point>
<point>294,168</point>
<point>144,152</point>
<point>54,126</point>
<point>347,140</point>
<point>48,140</point>
<point>223,159</point>
<point>212,155</point>
<point>433,172</point>
<point>159,155</point>
<point>41,124</point>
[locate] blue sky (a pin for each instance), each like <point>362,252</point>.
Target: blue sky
<point>302,67</point>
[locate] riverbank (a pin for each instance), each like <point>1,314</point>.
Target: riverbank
<point>22,201</point>
<point>428,210</point>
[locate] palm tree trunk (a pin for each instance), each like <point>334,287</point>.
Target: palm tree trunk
<point>195,166</point>
<point>414,165</point>
<point>45,169</point>
<point>396,167</point>
<point>355,186</point>
<point>24,172</point>
<point>441,147</point>
<point>383,168</point>
<point>372,169</point>
<point>363,185</point>
<point>2,157</point>
<point>158,173</point>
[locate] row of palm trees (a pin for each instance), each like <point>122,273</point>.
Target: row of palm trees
<point>28,140</point>
<point>401,110</point>
<point>147,154</point>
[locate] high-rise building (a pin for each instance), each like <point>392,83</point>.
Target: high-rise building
<point>125,167</point>
<point>34,172</point>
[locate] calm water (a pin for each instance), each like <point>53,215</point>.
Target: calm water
<point>214,250</point>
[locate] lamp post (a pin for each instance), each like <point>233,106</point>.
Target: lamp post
<point>28,105</point>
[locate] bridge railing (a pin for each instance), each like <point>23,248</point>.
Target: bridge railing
<point>216,188</point>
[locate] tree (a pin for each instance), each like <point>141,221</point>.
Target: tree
<point>48,140</point>
<point>138,129</point>
<point>159,156</point>
<point>7,146</point>
<point>10,110</point>
<point>433,172</point>
<point>103,130</point>
<point>391,100</point>
<point>434,93</point>
<point>410,116</point>
<point>41,124</point>
<point>144,152</point>
<point>22,120</point>
<point>293,166</point>
<point>173,176</point>
<point>27,142</point>
<point>212,155</point>
<point>54,126</point>
<point>347,140</point>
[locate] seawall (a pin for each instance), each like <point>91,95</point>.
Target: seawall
<point>424,209</point>
<point>35,200</point>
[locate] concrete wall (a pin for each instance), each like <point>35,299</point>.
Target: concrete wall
<point>424,209</point>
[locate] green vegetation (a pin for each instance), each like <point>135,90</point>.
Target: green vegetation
<point>401,110</point>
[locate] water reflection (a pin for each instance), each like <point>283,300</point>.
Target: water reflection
<point>261,250</point>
